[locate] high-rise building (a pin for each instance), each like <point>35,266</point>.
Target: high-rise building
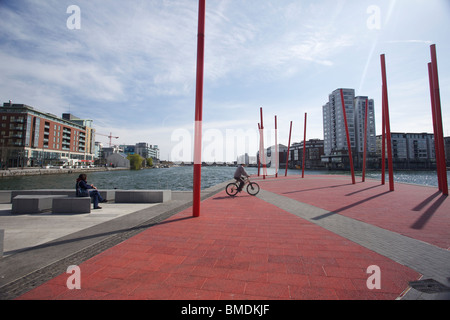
<point>335,136</point>
<point>360,116</point>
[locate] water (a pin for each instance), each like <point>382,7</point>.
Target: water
<point>179,178</point>
<point>175,178</point>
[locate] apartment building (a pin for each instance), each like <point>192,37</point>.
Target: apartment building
<point>143,149</point>
<point>410,150</point>
<point>29,137</point>
<point>314,151</point>
<point>335,136</point>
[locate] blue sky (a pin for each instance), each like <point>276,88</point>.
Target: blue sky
<point>131,65</point>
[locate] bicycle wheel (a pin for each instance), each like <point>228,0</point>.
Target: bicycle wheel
<point>253,188</point>
<point>231,189</point>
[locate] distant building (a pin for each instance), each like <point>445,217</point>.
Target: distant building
<point>29,137</point>
<point>313,157</point>
<point>410,150</point>
<point>143,149</point>
<point>247,160</point>
<point>270,156</point>
<point>335,135</point>
<point>118,160</point>
<point>153,152</point>
<point>107,151</point>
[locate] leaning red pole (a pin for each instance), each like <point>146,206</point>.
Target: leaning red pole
<point>262,151</point>
<point>199,110</point>
<point>304,148</point>
<point>365,142</point>
<point>287,155</point>
<point>433,114</point>
<point>383,146</point>
<point>437,106</point>
<point>387,122</point>
<point>349,146</point>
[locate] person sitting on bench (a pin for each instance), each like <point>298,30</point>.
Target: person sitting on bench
<point>83,189</point>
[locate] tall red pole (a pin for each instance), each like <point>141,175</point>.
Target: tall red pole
<point>433,113</point>
<point>438,112</point>
<point>289,147</point>
<point>262,151</point>
<point>304,148</point>
<point>259,158</point>
<point>199,110</point>
<point>349,146</point>
<point>387,122</point>
<point>383,144</point>
<point>277,157</point>
<point>365,142</point>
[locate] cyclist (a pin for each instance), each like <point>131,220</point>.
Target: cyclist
<point>239,174</point>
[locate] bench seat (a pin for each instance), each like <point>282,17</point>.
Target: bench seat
<point>72,205</point>
<point>106,194</point>
<point>28,204</point>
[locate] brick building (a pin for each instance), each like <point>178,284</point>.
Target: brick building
<point>29,137</point>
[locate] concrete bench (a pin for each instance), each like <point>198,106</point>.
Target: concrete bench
<point>43,192</point>
<point>71,205</point>
<point>106,194</point>
<point>2,240</point>
<point>143,196</point>
<point>25,204</point>
<point>5,196</point>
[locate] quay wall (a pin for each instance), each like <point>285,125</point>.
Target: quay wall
<point>42,171</point>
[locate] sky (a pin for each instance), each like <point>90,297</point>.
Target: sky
<point>130,66</point>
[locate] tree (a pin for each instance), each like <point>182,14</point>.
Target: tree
<point>149,162</point>
<point>135,161</point>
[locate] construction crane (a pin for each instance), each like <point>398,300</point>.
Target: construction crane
<point>110,136</point>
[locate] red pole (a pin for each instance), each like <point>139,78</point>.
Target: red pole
<point>440,132</point>
<point>365,142</point>
<point>287,155</point>
<point>383,144</point>
<point>349,146</point>
<point>433,113</point>
<point>259,158</point>
<point>199,110</point>
<point>277,157</point>
<point>262,146</point>
<point>304,149</point>
<point>388,128</point>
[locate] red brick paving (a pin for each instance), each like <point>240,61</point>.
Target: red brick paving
<point>245,248</point>
<point>415,211</point>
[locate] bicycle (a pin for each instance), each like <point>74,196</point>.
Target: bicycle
<point>252,188</point>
